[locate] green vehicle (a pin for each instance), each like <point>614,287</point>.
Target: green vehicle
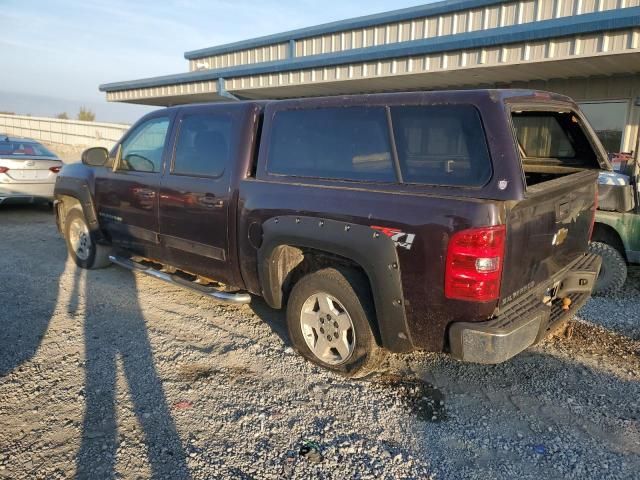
<point>616,234</point>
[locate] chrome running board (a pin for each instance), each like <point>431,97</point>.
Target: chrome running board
<point>228,297</point>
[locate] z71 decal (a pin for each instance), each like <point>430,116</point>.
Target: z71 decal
<point>400,238</point>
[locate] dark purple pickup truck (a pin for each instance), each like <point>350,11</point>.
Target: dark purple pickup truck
<point>442,221</point>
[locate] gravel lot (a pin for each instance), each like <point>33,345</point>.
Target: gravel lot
<point>106,374</point>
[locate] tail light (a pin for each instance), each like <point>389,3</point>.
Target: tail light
<point>474,264</point>
<point>4,169</point>
<point>593,216</point>
<point>55,169</point>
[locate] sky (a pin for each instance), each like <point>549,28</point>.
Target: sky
<point>55,53</point>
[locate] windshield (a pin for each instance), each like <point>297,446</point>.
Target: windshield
<point>16,148</point>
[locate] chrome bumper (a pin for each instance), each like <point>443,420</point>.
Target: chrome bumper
<point>526,321</point>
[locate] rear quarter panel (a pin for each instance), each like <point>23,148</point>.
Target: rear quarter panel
<point>431,219</point>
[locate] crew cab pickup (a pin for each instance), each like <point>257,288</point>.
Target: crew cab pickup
<point>442,221</point>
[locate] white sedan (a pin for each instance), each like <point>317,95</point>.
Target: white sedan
<point>27,170</point>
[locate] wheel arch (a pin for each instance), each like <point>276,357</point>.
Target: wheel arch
<point>287,242</point>
<point>605,233</point>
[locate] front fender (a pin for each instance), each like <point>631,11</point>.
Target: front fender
<point>77,181</point>
<point>375,253</point>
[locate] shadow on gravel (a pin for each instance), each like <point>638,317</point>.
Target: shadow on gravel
<point>116,337</point>
<point>24,318</point>
<point>275,319</point>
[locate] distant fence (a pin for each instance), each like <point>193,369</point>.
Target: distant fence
<point>66,132</point>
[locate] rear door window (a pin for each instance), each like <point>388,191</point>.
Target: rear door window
<point>441,145</point>
<point>203,145</point>
<point>345,143</point>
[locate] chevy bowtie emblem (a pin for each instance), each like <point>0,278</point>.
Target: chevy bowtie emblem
<point>560,237</point>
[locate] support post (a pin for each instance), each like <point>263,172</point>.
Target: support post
<point>222,91</point>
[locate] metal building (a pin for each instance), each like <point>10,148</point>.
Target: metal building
<point>587,49</point>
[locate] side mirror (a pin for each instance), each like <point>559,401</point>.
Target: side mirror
<point>95,157</point>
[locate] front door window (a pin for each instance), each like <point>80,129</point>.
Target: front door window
<point>142,150</point>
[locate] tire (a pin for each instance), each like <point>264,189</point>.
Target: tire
<point>613,272</point>
<point>83,249</point>
<point>349,312</point>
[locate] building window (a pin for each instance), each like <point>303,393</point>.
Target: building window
<point>608,119</point>
<point>345,143</point>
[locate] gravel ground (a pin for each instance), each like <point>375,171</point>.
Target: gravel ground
<point>105,374</point>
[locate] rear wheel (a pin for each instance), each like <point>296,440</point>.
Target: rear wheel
<point>613,272</point>
<point>329,318</point>
<point>86,253</point>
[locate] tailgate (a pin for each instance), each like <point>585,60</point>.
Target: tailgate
<point>547,231</point>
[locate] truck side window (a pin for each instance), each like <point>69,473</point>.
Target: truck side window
<point>203,144</point>
<point>441,145</point>
<point>142,149</point>
<point>348,143</point>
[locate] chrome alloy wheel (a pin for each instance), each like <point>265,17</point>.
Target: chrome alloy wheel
<point>327,329</point>
<point>80,239</point>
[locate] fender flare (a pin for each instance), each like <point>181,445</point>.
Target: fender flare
<point>374,252</point>
<point>79,189</point>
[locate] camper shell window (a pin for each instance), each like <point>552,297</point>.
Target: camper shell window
<point>552,144</point>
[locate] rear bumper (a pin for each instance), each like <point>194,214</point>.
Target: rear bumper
<point>527,320</point>
<point>26,191</point>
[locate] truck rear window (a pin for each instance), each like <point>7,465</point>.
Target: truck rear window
<point>552,144</point>
<point>441,145</point>
<point>542,136</point>
<point>346,143</point>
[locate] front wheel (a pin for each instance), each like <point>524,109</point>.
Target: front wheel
<point>329,317</point>
<point>84,251</point>
<point>613,272</point>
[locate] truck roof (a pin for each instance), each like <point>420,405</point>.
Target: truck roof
<point>505,95</point>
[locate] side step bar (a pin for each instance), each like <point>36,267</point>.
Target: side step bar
<point>228,297</point>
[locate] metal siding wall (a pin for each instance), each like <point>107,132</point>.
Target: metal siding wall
<point>507,14</point>
<point>560,49</point>
<point>268,53</point>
